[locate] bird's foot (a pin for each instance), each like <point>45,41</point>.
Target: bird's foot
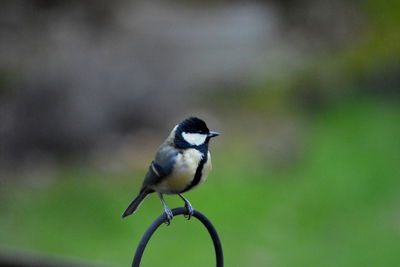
<point>167,211</point>
<point>188,206</point>
<point>190,210</point>
<point>169,214</point>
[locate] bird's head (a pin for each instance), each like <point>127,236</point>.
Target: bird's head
<point>192,132</point>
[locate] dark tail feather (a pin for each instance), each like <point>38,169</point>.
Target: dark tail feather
<point>136,202</point>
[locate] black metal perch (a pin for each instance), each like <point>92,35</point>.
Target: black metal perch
<point>180,211</point>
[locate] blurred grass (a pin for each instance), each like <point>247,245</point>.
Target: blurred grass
<point>339,206</point>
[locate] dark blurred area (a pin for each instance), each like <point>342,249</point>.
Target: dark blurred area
<point>12,259</point>
<point>75,74</point>
<point>88,89</point>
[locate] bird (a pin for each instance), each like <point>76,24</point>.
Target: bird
<point>181,163</point>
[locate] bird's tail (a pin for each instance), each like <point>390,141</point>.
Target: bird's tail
<point>136,202</point>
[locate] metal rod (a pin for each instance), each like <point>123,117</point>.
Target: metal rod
<point>163,218</point>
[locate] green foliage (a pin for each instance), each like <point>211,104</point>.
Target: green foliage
<point>337,207</point>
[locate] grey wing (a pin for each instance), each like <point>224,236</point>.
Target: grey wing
<point>162,165</point>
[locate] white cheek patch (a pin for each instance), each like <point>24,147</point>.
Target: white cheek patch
<point>194,138</point>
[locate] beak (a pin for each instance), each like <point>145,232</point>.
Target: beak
<point>213,134</point>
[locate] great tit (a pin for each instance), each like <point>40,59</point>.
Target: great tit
<point>181,163</point>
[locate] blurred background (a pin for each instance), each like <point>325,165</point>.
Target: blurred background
<point>306,95</point>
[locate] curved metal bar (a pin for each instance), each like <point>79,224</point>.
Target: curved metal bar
<point>163,218</point>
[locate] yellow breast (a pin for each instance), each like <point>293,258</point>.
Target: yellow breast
<point>182,173</point>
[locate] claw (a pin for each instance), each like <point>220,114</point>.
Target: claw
<point>169,214</point>
<point>189,208</point>
<point>190,211</point>
<point>167,211</point>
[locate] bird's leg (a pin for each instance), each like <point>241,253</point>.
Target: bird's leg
<point>166,209</point>
<point>188,206</point>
